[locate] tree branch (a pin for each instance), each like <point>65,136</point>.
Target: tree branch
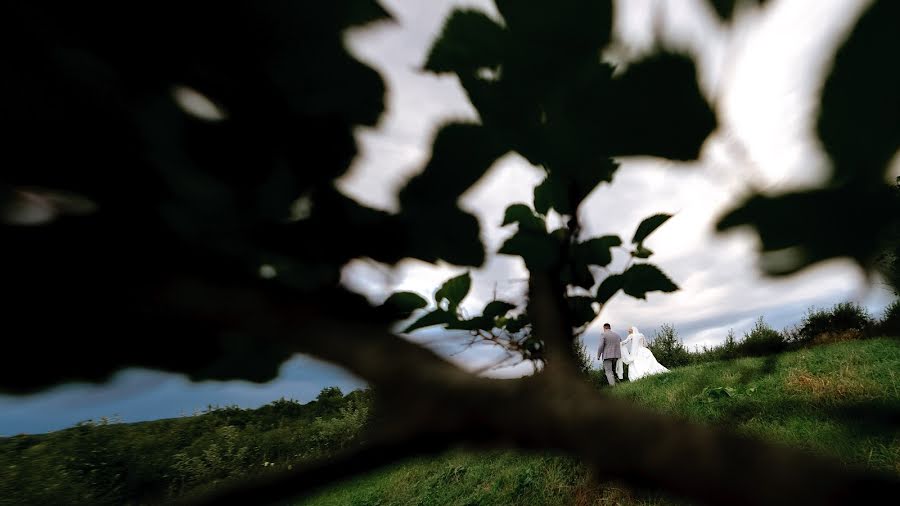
<point>431,404</point>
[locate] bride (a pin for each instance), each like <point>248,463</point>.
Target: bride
<point>639,358</point>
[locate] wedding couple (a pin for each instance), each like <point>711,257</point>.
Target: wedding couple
<point>632,351</point>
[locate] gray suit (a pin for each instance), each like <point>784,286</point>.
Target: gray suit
<point>609,351</point>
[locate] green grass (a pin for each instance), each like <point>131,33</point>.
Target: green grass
<point>149,462</point>
<point>496,478</point>
<point>841,399</point>
<point>837,400</point>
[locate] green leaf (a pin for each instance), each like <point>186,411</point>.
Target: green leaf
<point>591,169</point>
<point>460,155</point>
<point>404,303</point>
<point>525,217</point>
<point>712,394</point>
<point>543,196</point>
<point>608,287</point>
<point>578,274</point>
<point>561,235</point>
<point>361,12</point>
<point>497,308</point>
<point>799,229</point>
<point>642,278</point>
<point>477,323</point>
<point>539,250</point>
<point>550,194</point>
<point>428,240</point>
<point>859,122</point>
<point>596,251</point>
<point>648,226</point>
<point>658,110</point>
<point>581,310</point>
<point>436,317</point>
<point>564,28</point>
<point>469,41</point>
<point>514,325</point>
<point>454,290</point>
<point>641,252</point>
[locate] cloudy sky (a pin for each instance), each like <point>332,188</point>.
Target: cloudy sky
<point>762,73</point>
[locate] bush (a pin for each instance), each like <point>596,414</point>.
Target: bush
<point>668,348</point>
<point>814,323</point>
<point>761,340</point>
<point>850,316</point>
<point>582,357</point>
<point>792,336</point>
<point>726,351</point>
<point>730,347</point>
<point>330,393</point>
<point>889,325</point>
<point>107,462</point>
<point>846,320</point>
<point>330,435</point>
<point>224,457</point>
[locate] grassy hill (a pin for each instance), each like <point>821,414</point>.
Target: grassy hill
<point>102,462</point>
<point>841,400</point>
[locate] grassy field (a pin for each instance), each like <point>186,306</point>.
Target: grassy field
<point>841,400</point>
<point>108,463</point>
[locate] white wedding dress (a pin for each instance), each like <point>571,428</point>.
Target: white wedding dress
<point>638,357</point>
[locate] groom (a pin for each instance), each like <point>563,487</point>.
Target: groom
<point>609,351</point>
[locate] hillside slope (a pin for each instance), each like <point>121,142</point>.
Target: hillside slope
<point>841,400</point>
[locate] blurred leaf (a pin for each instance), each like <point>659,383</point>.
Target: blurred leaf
<point>659,110</point>
<point>514,325</point>
<point>648,226</point>
<point>595,169</point>
<point>497,308</point>
<point>561,235</point>
<point>470,41</point>
<point>427,238</point>
<point>404,303</point>
<point>525,217</point>
<point>642,252</point>
<point>859,122</point>
<point>642,278</point>
<point>608,287</point>
<point>725,8</point>
<point>454,290</point>
<point>362,12</point>
<point>581,310</point>
<point>551,195</point>
<point>577,274</point>
<point>436,317</point>
<point>564,28</point>
<point>859,125</point>
<point>461,154</point>
<point>596,251</point>
<point>539,250</point>
<point>799,229</point>
<point>184,231</point>
<point>476,323</point>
